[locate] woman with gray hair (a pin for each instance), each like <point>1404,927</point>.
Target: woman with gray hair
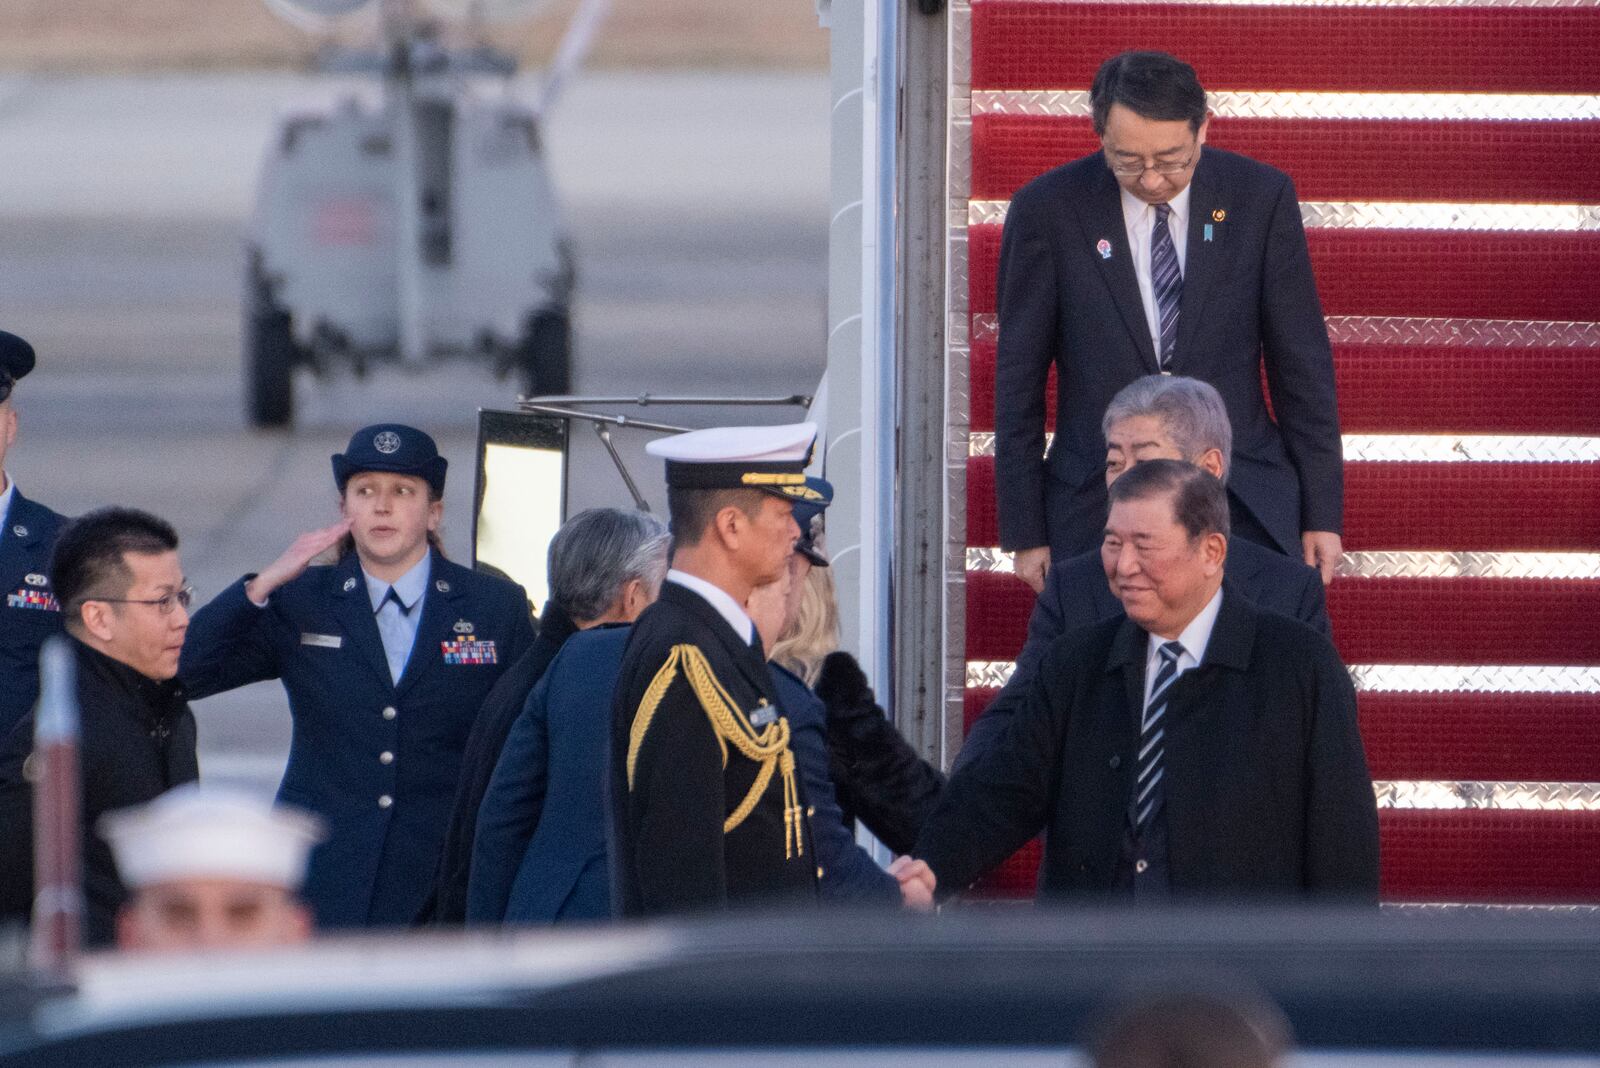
<point>605,565</point>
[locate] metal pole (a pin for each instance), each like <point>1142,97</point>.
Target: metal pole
<point>398,21</point>
<point>57,849</point>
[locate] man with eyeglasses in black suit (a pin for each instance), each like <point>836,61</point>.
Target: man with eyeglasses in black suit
<point>1161,254</point>
<point>126,603</point>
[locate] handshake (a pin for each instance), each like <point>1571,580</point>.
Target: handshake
<point>917,883</point>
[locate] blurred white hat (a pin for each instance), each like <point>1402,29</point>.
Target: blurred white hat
<point>195,831</point>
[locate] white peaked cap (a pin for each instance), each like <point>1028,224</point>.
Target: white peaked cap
<point>790,443</point>
<point>195,831</point>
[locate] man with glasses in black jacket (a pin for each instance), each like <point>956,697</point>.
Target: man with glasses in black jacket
<point>126,603</point>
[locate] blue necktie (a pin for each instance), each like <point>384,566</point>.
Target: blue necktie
<point>397,637</point>
<point>1152,740</point>
<point>1167,280</point>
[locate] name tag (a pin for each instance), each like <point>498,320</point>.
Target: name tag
<point>42,600</point>
<point>764,715</point>
<point>469,652</point>
<point>323,641</point>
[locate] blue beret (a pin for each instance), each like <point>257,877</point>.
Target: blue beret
<point>394,447</point>
<point>16,356</point>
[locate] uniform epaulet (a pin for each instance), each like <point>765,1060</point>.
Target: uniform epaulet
<point>768,747</point>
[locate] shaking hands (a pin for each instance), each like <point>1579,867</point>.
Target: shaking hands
<point>917,883</point>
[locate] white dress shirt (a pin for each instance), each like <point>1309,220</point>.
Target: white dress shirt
<point>1194,639</point>
<point>5,498</point>
<point>720,599</point>
<point>1139,219</point>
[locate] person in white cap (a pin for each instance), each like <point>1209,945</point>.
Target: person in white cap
<point>211,869</point>
<point>707,810</point>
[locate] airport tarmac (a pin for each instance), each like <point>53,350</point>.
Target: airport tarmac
<point>699,208</point>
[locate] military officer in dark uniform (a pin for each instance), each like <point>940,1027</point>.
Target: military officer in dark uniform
<point>31,613</point>
<point>387,656</point>
<point>708,810</point>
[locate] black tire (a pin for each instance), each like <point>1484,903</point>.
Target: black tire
<point>545,355</point>
<point>269,356</point>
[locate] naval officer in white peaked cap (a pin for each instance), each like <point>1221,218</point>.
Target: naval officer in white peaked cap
<point>707,809</point>
<point>211,868</point>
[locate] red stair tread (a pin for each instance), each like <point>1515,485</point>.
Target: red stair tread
<point>1471,506</point>
<point>1378,621</point>
<point>1410,272</point>
<point>1482,507</point>
<point>1465,621</point>
<point>1028,45</point>
<point>1418,389</point>
<point>1490,856</point>
<point>1429,389</point>
<point>1505,737</point>
<point>1336,159</point>
<point>1495,857</point>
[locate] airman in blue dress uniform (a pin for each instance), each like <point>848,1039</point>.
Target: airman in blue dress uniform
<point>30,613</point>
<point>387,656</point>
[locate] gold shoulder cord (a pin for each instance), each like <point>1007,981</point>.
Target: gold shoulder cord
<point>769,747</point>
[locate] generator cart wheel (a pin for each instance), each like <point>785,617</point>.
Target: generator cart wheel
<point>269,356</point>
<point>545,355</point>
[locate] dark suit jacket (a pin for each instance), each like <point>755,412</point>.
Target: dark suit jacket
<point>29,613</point>
<point>540,852</point>
<point>1248,294</point>
<point>849,875</point>
<point>1076,594</point>
<point>318,635</point>
<point>1267,789</point>
<point>447,904</point>
<point>680,781</point>
<point>136,742</point>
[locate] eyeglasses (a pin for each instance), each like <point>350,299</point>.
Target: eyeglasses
<point>1136,168</point>
<point>163,604</point>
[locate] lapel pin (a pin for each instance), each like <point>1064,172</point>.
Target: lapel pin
<point>1218,215</point>
<point>20,531</point>
<point>1208,232</point>
<point>349,584</point>
<point>1104,248</point>
<point>461,626</point>
<point>442,586</point>
<point>35,579</point>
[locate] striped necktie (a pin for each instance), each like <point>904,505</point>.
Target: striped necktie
<point>1167,281</point>
<point>1152,735</point>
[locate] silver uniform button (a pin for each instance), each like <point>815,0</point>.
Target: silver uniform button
<point>390,712</point>
<point>386,757</point>
<point>385,801</point>
<point>1141,866</point>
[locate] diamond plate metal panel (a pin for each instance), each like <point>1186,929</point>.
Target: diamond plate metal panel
<point>1425,908</point>
<point>1469,448</point>
<point>1368,565</point>
<point>1459,565</point>
<point>1392,215</point>
<point>1397,678</point>
<point>997,561</point>
<point>1533,107</point>
<point>1425,448</point>
<point>1395,330</point>
<point>1467,333</point>
<point>1449,678</point>
<point>1389,215</point>
<point>1497,796</point>
<point>958,393</point>
<point>1345,3</point>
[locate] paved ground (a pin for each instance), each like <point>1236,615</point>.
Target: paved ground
<point>699,207</point>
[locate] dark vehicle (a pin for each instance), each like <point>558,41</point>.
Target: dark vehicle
<point>975,986</point>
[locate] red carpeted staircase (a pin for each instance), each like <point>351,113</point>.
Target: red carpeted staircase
<point>1447,158</point>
